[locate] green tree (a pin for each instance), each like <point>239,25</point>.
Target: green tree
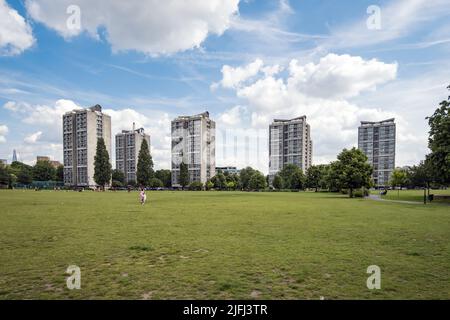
<point>60,173</point>
<point>25,176</point>
<point>313,176</point>
<point>245,176</point>
<point>4,175</point>
<point>293,177</point>
<point>420,176</point>
<point>209,185</point>
<point>144,172</point>
<point>353,170</point>
<point>278,182</point>
<point>439,142</point>
<point>156,183</point>
<point>196,186</point>
<point>102,166</point>
<point>22,171</point>
<point>165,176</point>
<point>324,171</point>
<point>184,175</point>
<point>44,171</point>
<point>298,180</point>
<point>257,181</point>
<point>219,180</point>
<point>398,179</point>
<point>118,176</point>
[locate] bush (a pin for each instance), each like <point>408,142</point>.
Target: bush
<point>361,193</point>
<point>196,186</point>
<point>156,183</point>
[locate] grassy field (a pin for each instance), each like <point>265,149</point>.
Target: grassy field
<point>220,245</point>
<point>411,195</point>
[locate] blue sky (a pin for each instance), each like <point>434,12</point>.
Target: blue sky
<point>149,61</point>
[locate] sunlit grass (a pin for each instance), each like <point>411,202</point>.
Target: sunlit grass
<point>214,245</point>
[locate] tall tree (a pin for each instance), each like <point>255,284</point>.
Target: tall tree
<point>298,180</point>
<point>184,175</point>
<point>313,175</point>
<point>44,171</point>
<point>165,176</point>
<point>220,181</point>
<point>102,165</point>
<point>353,170</point>
<point>118,176</point>
<point>4,175</point>
<point>398,179</point>
<point>60,173</point>
<point>23,172</point>
<point>293,177</point>
<point>278,182</point>
<point>144,172</point>
<point>257,181</point>
<point>245,176</point>
<point>439,142</point>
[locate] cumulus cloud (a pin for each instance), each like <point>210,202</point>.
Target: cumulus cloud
<point>48,119</point>
<point>232,117</point>
<point>33,138</point>
<point>158,126</point>
<point>3,132</point>
<point>322,92</point>
<point>233,77</point>
<point>15,33</point>
<point>152,26</point>
<point>340,76</point>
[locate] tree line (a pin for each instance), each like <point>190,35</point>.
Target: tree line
<point>350,173</point>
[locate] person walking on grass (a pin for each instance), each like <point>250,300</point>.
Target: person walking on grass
<point>143,196</point>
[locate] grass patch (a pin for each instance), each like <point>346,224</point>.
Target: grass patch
<point>220,245</point>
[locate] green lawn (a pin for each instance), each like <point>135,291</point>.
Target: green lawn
<point>411,195</point>
<point>214,245</point>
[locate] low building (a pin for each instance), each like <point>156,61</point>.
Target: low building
<point>54,163</point>
<point>230,170</point>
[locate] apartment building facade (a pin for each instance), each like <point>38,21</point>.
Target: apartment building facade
<point>128,145</point>
<point>289,143</point>
<point>194,143</point>
<point>81,130</point>
<point>378,141</point>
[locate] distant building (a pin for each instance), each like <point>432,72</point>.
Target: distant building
<point>54,163</point>
<point>81,130</point>
<point>128,145</point>
<point>289,143</point>
<point>194,143</point>
<point>14,157</point>
<point>377,141</point>
<point>230,170</point>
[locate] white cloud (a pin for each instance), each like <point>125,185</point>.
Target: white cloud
<point>340,76</point>
<point>3,132</point>
<point>234,77</point>
<point>322,92</point>
<point>152,26</point>
<point>48,119</point>
<point>398,19</point>
<point>158,126</point>
<point>33,138</point>
<point>15,33</point>
<point>232,117</point>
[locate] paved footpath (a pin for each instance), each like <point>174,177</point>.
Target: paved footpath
<point>377,197</point>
